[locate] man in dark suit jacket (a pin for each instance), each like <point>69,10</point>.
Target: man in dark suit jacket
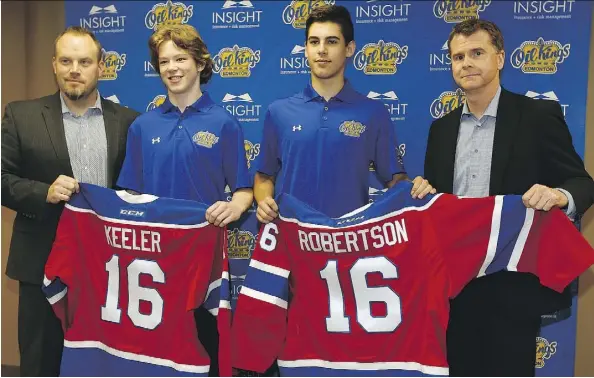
<point>501,143</point>
<point>49,145</point>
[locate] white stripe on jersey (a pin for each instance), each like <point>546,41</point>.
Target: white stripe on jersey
<point>136,357</point>
<point>370,366</point>
<point>264,297</point>
<point>269,268</point>
<point>58,296</point>
<point>213,285</point>
<point>521,241</point>
<point>222,304</point>
<point>494,236</point>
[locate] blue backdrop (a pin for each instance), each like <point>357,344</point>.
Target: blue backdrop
<point>401,60</point>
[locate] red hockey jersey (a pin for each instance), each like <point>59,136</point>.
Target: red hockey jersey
<point>125,274</point>
<point>367,293</point>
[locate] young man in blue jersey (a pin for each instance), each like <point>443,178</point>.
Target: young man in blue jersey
<point>318,143</point>
<point>189,147</point>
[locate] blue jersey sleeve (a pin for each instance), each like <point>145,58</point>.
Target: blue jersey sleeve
<point>388,160</point>
<point>269,162</point>
<point>131,175</point>
<point>234,159</point>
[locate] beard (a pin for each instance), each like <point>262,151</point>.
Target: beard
<point>79,94</point>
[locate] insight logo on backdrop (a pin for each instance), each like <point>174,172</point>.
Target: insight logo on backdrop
<point>149,70</point>
<point>296,63</point>
<point>442,61</point>
<point>454,11</point>
<point>396,108</point>
<point>240,244</point>
<point>548,96</point>
<point>103,20</point>
<point>446,102</point>
<point>540,56</point>
<point>297,11</point>
<point>157,101</point>
<point>242,107</point>
<point>251,151</point>
<point>380,12</point>
<point>114,62</point>
<point>544,351</point>
<point>168,13</point>
<point>236,15</point>
<point>233,62</point>
<point>543,10</point>
<point>380,58</point>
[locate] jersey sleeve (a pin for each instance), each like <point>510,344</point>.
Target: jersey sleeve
<point>59,270</point>
<point>131,174</point>
<point>388,159</point>
<point>269,161</point>
<point>480,236</point>
<point>234,159</point>
<point>260,318</point>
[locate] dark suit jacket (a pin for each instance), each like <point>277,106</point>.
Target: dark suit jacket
<point>34,154</point>
<point>532,145</point>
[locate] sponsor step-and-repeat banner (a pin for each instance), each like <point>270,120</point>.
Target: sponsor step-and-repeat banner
<point>401,59</point>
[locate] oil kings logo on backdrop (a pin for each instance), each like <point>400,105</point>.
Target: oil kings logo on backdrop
<point>540,56</point>
<point>104,20</point>
<point>379,12</point>
<point>380,58</point>
<point>442,61</point>
<point>240,244</point>
<point>236,15</point>
<point>551,96</point>
<point>296,63</point>
<point>232,62</point>
<point>454,11</point>
<point>114,62</point>
<point>168,13</point>
<point>297,11</point>
<point>396,108</point>
<point>446,102</point>
<point>544,351</point>
<point>543,10</point>
<point>251,151</point>
<point>242,107</point>
<point>157,101</point>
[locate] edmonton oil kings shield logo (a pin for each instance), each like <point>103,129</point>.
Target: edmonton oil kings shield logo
<point>446,102</point>
<point>380,58</point>
<point>240,244</point>
<point>540,56</point>
<point>454,11</point>
<point>114,62</point>
<point>168,13</point>
<point>235,61</point>
<point>297,11</point>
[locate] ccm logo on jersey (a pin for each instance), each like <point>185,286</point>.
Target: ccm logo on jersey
<point>133,213</point>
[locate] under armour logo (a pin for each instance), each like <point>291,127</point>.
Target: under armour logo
<point>156,140</point>
<point>298,127</point>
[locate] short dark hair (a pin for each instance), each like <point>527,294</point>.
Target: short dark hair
<point>81,32</point>
<point>470,27</point>
<point>332,13</point>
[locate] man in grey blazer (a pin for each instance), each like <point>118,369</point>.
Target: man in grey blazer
<point>49,145</point>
